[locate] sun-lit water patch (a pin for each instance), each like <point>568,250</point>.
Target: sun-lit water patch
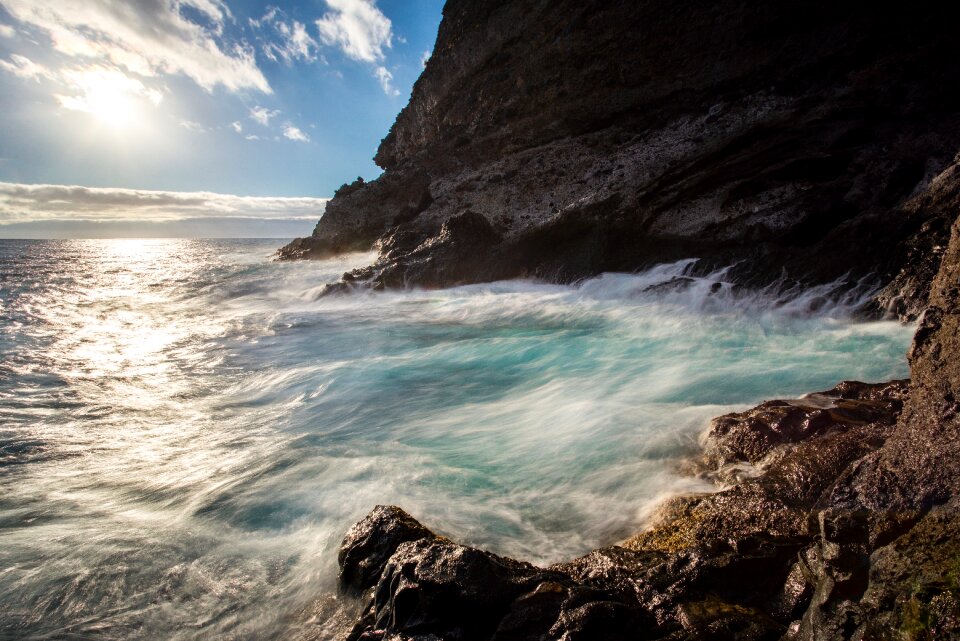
<point>187,428</point>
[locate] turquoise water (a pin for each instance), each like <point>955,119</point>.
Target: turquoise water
<point>187,428</point>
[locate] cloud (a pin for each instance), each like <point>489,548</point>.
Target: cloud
<point>223,227</point>
<point>263,115</point>
<point>297,43</point>
<point>196,127</point>
<point>267,18</point>
<point>25,68</point>
<point>6,31</point>
<point>147,38</point>
<point>237,126</point>
<point>294,42</point>
<point>386,81</point>
<point>293,133</point>
<point>424,57</point>
<point>358,28</point>
<point>104,91</point>
<point>29,205</point>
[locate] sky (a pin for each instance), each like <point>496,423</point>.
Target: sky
<point>196,117</point>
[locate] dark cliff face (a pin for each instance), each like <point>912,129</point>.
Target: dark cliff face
<point>600,135</point>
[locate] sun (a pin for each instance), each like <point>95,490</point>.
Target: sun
<point>109,95</point>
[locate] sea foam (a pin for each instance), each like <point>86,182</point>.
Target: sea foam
<point>189,428</point>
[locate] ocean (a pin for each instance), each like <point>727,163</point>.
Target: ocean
<point>187,428</point>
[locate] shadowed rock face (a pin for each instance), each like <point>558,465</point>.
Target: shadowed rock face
<point>597,135</point>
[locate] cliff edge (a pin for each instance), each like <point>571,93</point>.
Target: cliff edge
<point>562,139</point>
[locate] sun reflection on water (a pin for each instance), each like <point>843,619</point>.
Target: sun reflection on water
<point>187,429</point>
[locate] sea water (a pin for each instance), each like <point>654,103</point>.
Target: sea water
<point>187,428</point>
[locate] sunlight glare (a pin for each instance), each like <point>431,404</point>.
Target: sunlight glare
<point>110,96</point>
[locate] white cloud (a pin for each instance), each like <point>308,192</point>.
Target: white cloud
<point>237,126</point>
<point>104,91</point>
<point>215,10</point>
<point>298,44</point>
<point>294,133</point>
<point>146,37</point>
<point>358,28</point>
<point>294,41</point>
<point>251,137</point>
<point>25,68</point>
<point>263,115</point>
<point>6,31</point>
<point>196,127</point>
<point>267,18</point>
<point>424,57</point>
<point>386,81</point>
<point>22,203</point>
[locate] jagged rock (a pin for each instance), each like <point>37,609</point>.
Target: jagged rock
<point>463,249</point>
<point>931,213</point>
<point>605,135</point>
<point>370,543</point>
<point>429,586</point>
<point>360,213</point>
<point>753,434</point>
<point>904,499</point>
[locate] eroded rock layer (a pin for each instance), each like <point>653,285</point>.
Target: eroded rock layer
<point>560,139</point>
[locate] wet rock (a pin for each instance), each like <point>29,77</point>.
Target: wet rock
<point>429,585</point>
<point>715,619</point>
<point>607,136</point>
<point>754,434</point>
<point>370,543</point>
<point>450,590</point>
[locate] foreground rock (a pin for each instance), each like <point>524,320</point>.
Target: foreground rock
<point>725,565</point>
<point>567,138</point>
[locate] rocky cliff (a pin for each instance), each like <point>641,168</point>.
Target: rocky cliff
<point>807,141</point>
<point>562,138</point>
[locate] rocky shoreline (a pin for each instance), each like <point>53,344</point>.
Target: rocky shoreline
<point>735,564</point>
<point>839,520</point>
<point>802,143</point>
